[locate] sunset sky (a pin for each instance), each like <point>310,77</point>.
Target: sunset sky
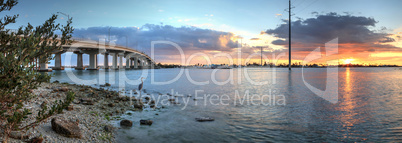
<point>368,31</point>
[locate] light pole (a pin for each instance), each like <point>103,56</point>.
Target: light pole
<point>65,15</point>
<point>109,34</point>
<point>261,56</point>
<point>290,37</point>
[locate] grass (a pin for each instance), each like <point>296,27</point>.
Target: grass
<point>117,118</point>
<point>105,136</point>
<point>107,117</point>
<point>94,113</point>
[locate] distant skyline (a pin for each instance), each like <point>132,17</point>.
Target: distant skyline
<point>368,31</point>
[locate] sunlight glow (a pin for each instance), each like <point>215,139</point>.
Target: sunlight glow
<point>348,61</point>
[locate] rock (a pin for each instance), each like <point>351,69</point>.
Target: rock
<point>134,99</point>
<point>203,119</point>
<point>93,94</point>
<point>174,102</point>
<point>56,81</point>
<point>70,108</point>
<point>107,84</point>
<point>146,122</point>
<point>36,140</point>
<point>18,135</point>
<point>82,89</point>
<point>64,89</point>
<point>109,128</point>
<point>126,123</point>
<point>147,98</point>
<point>172,99</point>
<point>108,96</point>
<point>123,98</point>
<point>111,105</point>
<point>116,101</point>
<point>43,104</point>
<point>139,105</point>
<point>66,128</point>
<point>55,90</point>
<point>87,101</point>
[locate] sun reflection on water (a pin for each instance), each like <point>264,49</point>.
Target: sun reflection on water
<point>348,105</point>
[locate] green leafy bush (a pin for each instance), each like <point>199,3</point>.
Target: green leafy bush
<point>19,50</point>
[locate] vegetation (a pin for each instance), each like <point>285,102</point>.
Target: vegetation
<point>107,117</point>
<point>168,65</point>
<point>18,52</point>
<point>106,136</point>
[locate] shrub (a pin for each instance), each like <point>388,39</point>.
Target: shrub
<point>18,52</point>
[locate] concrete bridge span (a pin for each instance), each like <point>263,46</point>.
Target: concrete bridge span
<point>134,59</point>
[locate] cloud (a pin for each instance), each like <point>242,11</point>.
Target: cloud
<point>279,42</point>
<point>277,15</point>
<point>387,40</point>
<point>187,37</point>
<point>313,32</point>
<point>255,39</point>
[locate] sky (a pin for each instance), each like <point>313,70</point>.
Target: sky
<point>210,31</point>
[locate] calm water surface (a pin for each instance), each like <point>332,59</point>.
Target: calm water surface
<point>369,106</point>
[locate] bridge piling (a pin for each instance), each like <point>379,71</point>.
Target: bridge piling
<point>93,60</point>
<point>106,61</point>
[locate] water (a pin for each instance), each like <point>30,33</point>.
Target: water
<point>369,106</point>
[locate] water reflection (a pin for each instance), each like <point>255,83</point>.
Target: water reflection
<point>367,108</point>
<point>349,107</point>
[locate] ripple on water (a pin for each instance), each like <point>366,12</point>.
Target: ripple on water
<point>368,109</point>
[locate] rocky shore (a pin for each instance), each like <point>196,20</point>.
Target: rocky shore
<point>91,111</point>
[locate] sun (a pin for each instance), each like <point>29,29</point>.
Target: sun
<point>348,61</point>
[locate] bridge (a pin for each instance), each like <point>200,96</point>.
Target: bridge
<point>134,59</point>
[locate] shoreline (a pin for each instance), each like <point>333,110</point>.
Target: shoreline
<point>93,109</point>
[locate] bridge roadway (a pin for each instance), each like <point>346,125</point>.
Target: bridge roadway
<point>134,59</point>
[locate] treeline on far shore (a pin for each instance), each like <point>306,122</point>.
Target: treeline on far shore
<point>160,65</point>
